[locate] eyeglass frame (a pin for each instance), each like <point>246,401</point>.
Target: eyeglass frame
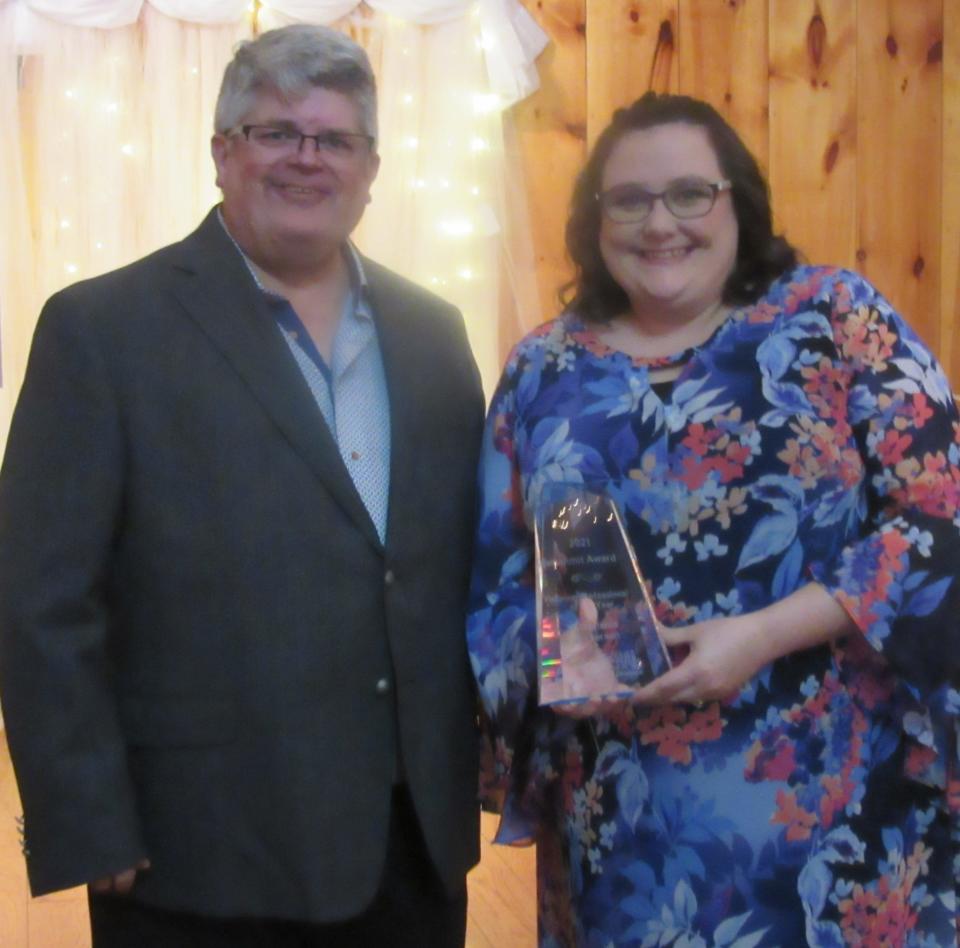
<point>716,188</point>
<point>293,130</point>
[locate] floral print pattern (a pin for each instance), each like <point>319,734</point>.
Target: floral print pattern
<point>812,438</point>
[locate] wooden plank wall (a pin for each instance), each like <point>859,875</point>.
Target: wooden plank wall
<point>851,106</point>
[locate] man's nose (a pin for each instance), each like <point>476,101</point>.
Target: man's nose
<point>309,151</point>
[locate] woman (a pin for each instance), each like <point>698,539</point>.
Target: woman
<point>784,452</point>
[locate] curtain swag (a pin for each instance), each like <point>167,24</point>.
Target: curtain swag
<point>511,38</point>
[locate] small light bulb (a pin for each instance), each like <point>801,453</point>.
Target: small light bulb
<point>486,102</point>
<point>456,227</point>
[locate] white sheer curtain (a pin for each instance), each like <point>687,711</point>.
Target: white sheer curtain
<point>108,107</point>
<point>16,249</point>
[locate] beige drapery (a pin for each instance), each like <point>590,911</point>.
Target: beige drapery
<point>108,113</point>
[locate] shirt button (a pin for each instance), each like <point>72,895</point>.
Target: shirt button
<point>354,455</point>
<point>383,686</point>
<point>389,578</point>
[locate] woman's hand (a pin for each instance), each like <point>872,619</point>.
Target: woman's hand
<point>722,655</point>
<point>586,669</point>
<point>726,653</point>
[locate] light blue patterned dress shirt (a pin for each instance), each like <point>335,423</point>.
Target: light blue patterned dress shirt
<point>351,392</point>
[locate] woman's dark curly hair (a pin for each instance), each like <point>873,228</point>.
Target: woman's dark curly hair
<point>762,256</point>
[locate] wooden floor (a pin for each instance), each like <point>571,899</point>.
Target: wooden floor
<point>501,915</point>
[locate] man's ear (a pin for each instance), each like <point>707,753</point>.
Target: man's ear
<point>218,149</point>
<point>373,168</point>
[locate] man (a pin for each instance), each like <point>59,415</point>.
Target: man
<point>235,519</point>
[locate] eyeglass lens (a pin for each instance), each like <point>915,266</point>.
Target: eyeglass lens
<point>684,199</point>
<point>332,141</point>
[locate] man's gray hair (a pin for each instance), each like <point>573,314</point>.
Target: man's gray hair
<point>291,61</point>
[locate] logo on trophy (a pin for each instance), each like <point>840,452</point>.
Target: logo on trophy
<point>597,634</point>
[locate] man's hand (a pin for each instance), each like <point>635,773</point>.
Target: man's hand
<point>121,883</point>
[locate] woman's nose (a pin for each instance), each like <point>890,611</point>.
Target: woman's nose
<point>659,220</point>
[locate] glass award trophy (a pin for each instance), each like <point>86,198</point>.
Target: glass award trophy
<point>597,635</point>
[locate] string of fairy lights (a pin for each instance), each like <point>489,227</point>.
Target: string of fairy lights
<point>457,184</point>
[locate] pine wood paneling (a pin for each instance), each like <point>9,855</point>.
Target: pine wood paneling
<point>723,59</point>
<point>899,155</point>
<point>551,129</point>
<point>813,124</point>
<point>631,47</point>
<point>950,271</point>
<point>853,107</point>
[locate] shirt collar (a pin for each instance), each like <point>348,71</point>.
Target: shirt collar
<point>358,277</point>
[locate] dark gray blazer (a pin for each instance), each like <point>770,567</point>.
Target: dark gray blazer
<point>196,614</point>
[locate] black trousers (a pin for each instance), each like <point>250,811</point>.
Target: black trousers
<point>411,910</point>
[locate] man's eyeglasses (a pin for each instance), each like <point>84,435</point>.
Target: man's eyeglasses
<point>687,198</point>
<point>287,141</point>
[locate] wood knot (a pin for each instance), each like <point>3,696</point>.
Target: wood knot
<point>634,16</point>
<point>892,47</point>
<point>935,53</point>
<point>861,255</point>
<point>816,39</point>
<point>830,158</point>
<point>918,266</point>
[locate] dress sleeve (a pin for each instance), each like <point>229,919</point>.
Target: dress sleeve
<point>899,579</point>
<point>500,626</point>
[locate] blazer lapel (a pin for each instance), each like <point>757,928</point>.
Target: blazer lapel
<point>217,291</point>
<point>396,328</point>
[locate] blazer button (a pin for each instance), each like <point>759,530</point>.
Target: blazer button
<point>389,578</point>
<point>383,686</point>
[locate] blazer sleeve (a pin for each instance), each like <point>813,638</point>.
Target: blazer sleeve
<point>61,489</point>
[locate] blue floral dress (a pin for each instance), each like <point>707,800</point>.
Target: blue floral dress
<point>811,438</point>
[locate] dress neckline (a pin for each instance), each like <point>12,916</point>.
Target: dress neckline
<point>585,334</point>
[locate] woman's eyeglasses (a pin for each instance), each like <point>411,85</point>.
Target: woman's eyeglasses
<point>687,198</point>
